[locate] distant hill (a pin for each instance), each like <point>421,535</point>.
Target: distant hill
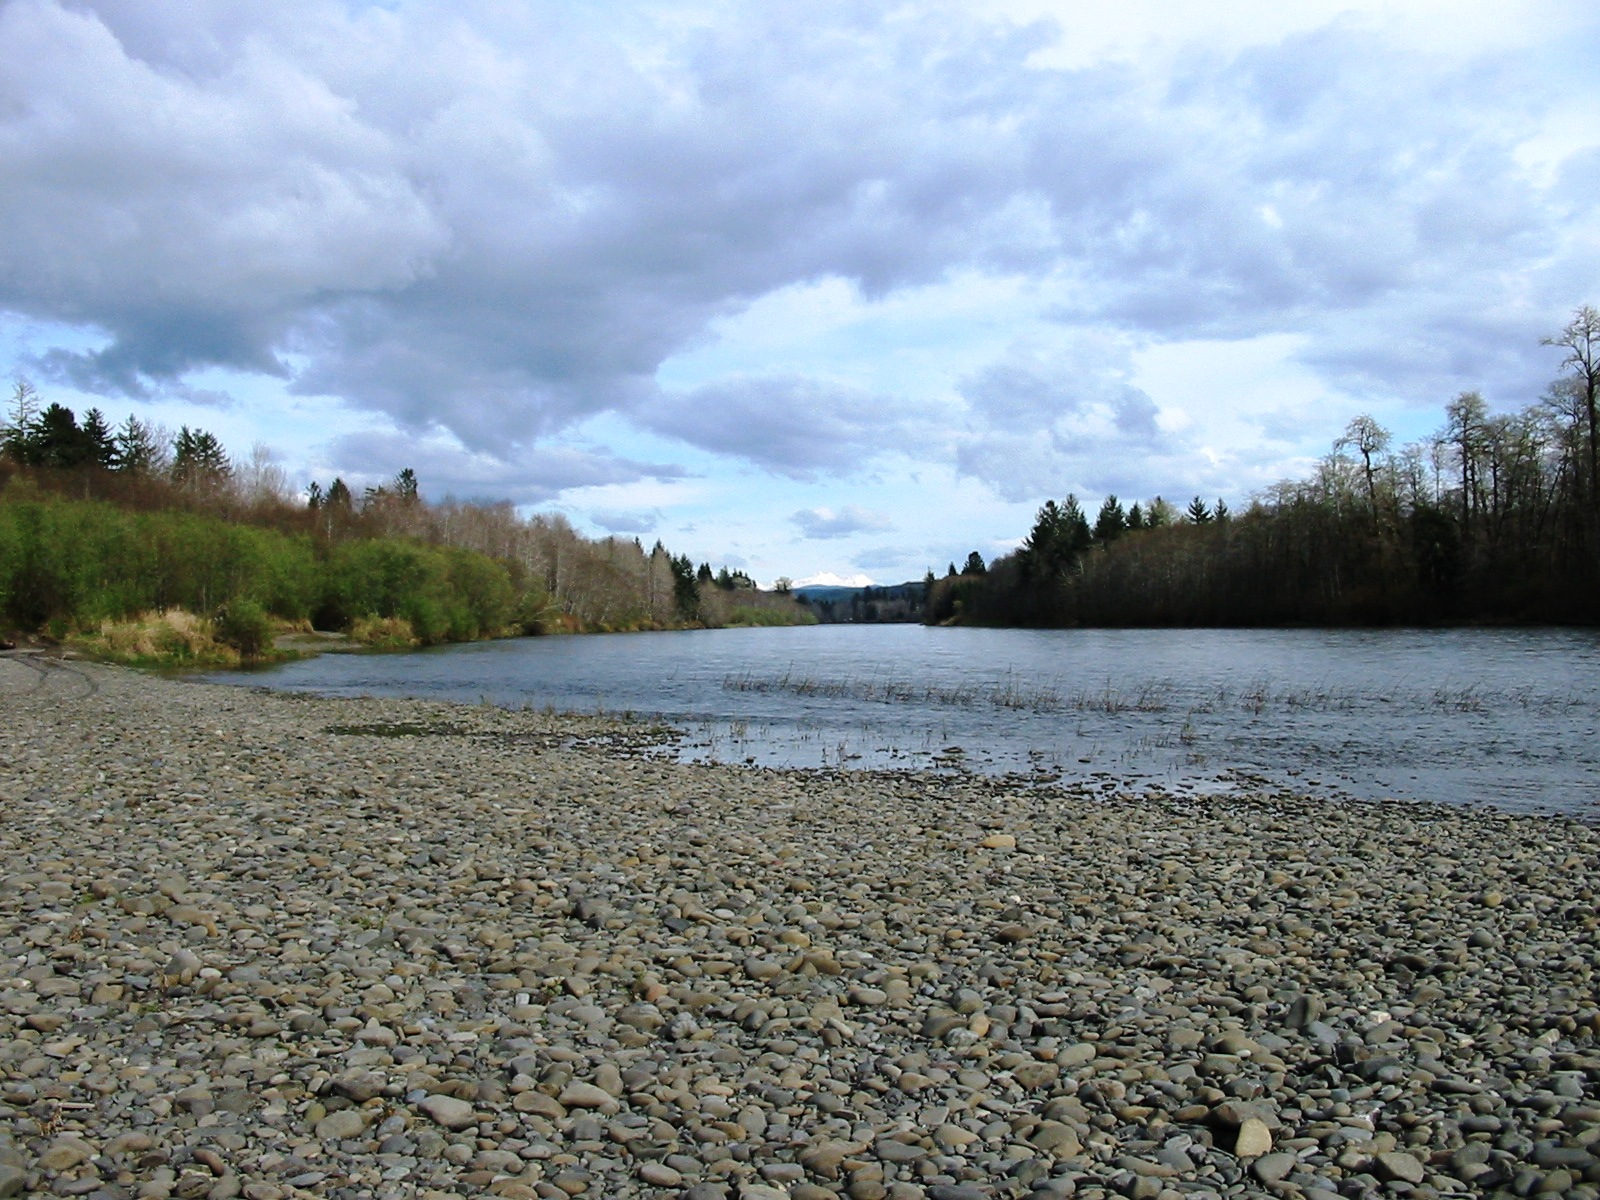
<point>874,605</point>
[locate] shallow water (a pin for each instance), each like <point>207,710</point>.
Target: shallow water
<point>1486,716</point>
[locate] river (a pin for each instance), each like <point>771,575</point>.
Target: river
<point>1503,717</point>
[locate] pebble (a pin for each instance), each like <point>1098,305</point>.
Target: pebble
<point>263,946</point>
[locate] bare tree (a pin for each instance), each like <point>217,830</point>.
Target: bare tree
<point>1581,340</point>
<point>1368,439</point>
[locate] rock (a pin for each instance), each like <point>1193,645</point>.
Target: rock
<point>659,1175</point>
<point>1273,1168</point>
<point>338,1126</point>
<point>449,1112</point>
<point>1054,1137</point>
<point>586,1095</point>
<point>64,1153</point>
<point>360,1086</point>
<point>1397,1165</point>
<point>999,841</point>
<point>402,992</point>
<point>1253,1139</point>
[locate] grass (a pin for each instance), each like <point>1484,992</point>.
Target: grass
<point>384,633</point>
<point>1150,696</point>
<point>172,638</point>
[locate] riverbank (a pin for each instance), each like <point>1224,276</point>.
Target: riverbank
<point>269,945</point>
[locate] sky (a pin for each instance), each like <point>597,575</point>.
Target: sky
<point>816,290</point>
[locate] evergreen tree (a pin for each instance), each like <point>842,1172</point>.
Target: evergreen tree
<point>685,587</point>
<point>1110,522</point>
<point>57,441</point>
<point>1197,512</point>
<point>21,424</point>
<point>1058,539</point>
<point>198,460</point>
<point>102,447</point>
<point>405,486</point>
<point>1135,517</point>
<point>135,449</point>
<point>974,565</point>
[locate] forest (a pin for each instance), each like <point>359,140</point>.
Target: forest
<point>1494,518</point>
<point>146,544</point>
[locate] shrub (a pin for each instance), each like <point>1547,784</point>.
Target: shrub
<point>389,633</point>
<point>244,625</point>
<point>170,638</point>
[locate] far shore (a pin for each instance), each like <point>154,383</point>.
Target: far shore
<point>272,945</point>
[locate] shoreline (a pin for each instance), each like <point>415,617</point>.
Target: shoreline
<point>267,944</point>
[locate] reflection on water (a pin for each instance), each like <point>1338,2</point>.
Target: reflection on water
<point>1503,717</point>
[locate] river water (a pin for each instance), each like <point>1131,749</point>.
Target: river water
<point>1507,718</point>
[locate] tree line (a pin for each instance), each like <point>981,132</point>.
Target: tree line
<point>100,524</point>
<point>1495,517</point>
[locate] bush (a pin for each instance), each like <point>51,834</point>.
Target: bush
<point>173,638</point>
<point>245,625</point>
<point>387,633</point>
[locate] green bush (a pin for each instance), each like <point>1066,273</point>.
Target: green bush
<point>245,625</point>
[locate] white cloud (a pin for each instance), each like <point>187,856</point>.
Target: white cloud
<point>812,243</point>
<point>838,523</point>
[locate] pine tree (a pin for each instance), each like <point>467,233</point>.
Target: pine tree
<point>134,448</point>
<point>97,435</point>
<point>198,460</point>
<point>21,425</point>
<point>1110,522</point>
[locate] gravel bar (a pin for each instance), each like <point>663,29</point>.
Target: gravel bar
<point>266,945</point>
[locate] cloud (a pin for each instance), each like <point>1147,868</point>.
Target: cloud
<point>626,522</point>
<point>789,425</point>
<point>445,467</point>
<point>831,523</point>
<point>497,221</point>
<point>1047,420</point>
<point>880,559</point>
<point>831,579</point>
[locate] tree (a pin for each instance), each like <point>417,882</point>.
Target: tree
<point>1110,522</point>
<point>136,448</point>
<point>339,495</point>
<point>1135,517</point>
<point>21,425</point>
<point>1368,439</point>
<point>1581,340</point>
<point>1465,418</point>
<point>198,460</point>
<point>974,564</point>
<point>1197,512</point>
<point>1058,539</point>
<point>57,441</point>
<point>405,486</point>
<point>97,436</point>
<point>685,588</point>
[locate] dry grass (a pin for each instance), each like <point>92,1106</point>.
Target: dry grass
<point>174,637</point>
<point>391,632</point>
